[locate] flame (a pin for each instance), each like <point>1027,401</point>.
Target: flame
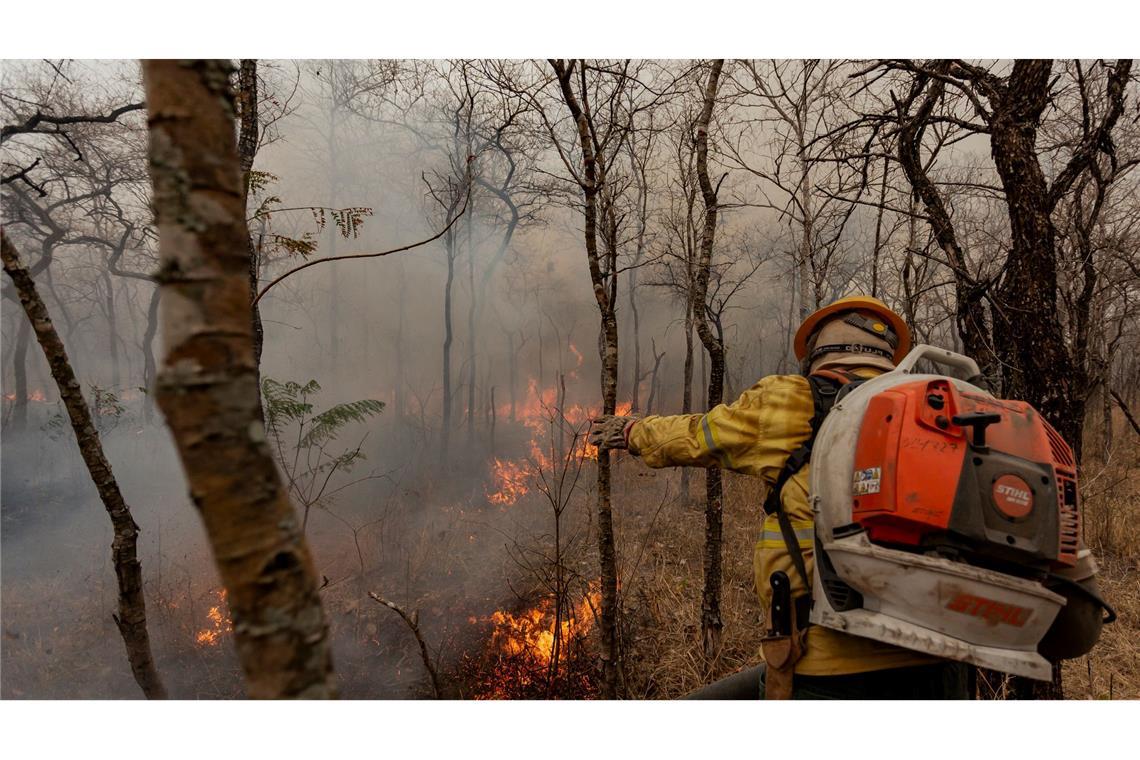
<point>519,656</point>
<point>578,357</point>
<point>220,623</point>
<point>530,634</point>
<point>36,395</point>
<point>511,482</point>
<point>512,478</point>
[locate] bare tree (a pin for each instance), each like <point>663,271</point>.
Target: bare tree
<point>131,619</point>
<point>795,103</point>
<point>599,142</point>
<point>711,623</point>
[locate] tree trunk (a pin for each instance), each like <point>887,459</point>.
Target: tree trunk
<point>657,357</point>
<point>590,184</point>
<point>208,384</point>
<point>445,432</point>
<point>112,332</point>
<point>150,368</point>
<point>399,368</point>
<point>805,265</point>
<point>333,179</point>
<point>711,623</point>
<point>970,314</point>
<point>1029,333</point>
<point>20,373</point>
<point>471,374</point>
<point>687,387</point>
<point>247,151</point>
<point>131,619</point>
<point>513,369</point>
<point>635,388</point>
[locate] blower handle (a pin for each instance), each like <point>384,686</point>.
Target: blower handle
<point>938,356</point>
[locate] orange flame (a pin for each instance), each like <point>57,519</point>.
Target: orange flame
<point>36,395</point>
<point>530,634</point>
<point>512,479</point>
<point>511,482</point>
<point>521,649</point>
<point>220,623</point>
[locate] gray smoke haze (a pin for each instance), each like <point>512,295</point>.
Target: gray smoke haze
<point>343,134</point>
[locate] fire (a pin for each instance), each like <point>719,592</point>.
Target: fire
<point>523,658</point>
<point>220,623</point>
<point>531,634</point>
<point>539,412</point>
<point>511,482</point>
<point>36,395</point>
<point>578,358</point>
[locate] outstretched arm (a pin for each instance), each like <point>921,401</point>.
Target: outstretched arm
<point>753,435</point>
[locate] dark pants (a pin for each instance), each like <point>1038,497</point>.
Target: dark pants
<point>944,680</point>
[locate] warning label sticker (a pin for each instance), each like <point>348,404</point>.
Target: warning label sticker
<point>866,481</point>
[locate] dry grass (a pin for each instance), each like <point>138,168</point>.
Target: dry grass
<point>1110,490</point>
<point>451,564</point>
<point>663,593</point>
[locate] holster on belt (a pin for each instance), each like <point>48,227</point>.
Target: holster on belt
<point>785,642</point>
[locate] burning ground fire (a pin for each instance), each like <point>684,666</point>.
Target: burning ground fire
<point>220,623</point>
<point>520,658</point>
<point>513,478</point>
<point>36,395</point>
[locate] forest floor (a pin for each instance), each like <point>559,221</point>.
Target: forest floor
<point>461,562</point>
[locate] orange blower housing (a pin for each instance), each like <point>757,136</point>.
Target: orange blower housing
<point>964,475</point>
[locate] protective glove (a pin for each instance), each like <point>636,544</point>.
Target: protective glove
<point>611,431</point>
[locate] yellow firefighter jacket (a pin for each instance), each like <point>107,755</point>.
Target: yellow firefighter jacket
<point>754,436</point>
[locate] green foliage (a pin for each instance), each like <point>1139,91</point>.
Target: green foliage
<point>326,424</point>
<point>301,436</point>
<point>286,402</point>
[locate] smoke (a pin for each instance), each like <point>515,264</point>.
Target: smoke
<point>422,532</point>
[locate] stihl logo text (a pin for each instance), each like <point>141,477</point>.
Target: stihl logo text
<point>990,610</point>
<point>1016,495</point>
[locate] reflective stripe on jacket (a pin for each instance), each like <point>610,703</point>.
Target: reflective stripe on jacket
<point>754,436</point>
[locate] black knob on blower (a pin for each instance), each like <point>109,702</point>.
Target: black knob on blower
<point>979,421</point>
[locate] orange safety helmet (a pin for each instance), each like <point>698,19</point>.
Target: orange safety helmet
<point>854,303</point>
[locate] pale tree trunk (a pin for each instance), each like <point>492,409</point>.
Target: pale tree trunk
<point>208,385</point>
<point>711,623</point>
<point>131,618</point>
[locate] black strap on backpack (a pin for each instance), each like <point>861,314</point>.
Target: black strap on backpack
<point>825,391</point>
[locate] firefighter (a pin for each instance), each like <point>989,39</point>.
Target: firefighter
<point>853,338</point>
